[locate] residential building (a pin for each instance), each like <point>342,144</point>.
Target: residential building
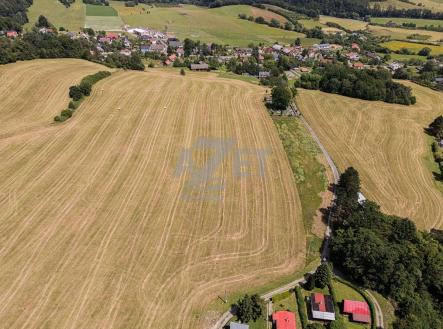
<point>322,307</point>
<point>358,311</point>
<point>284,320</point>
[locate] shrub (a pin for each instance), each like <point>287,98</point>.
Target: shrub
<point>310,282</point>
<point>182,72</point>
<point>72,105</point>
<point>301,308</point>
<point>75,93</point>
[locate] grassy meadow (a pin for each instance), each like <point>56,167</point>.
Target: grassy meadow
<point>347,23</point>
<point>415,47</point>
<point>399,20</point>
<point>92,10</point>
<point>433,5</point>
<point>72,18</point>
<point>219,25</point>
<point>405,34</point>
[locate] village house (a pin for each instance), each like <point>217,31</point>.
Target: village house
<point>355,47</point>
<point>180,52</point>
<point>322,307</point>
<point>12,34</point>
<point>357,311</point>
<point>144,49</point>
<point>358,65</point>
<point>174,43</point>
<point>45,30</point>
<point>112,36</point>
<point>284,320</point>
<point>395,66</point>
<point>352,56</point>
<point>264,74</point>
<point>126,52</point>
<point>158,48</point>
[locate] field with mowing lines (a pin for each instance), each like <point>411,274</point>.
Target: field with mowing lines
<point>218,25</point>
<point>72,18</point>
<point>415,47</point>
<point>387,145</point>
<point>97,229</point>
<point>29,99</point>
<point>267,15</point>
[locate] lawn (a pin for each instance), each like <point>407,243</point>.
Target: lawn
<point>219,25</point>
<point>92,10</point>
<point>72,18</point>
<point>419,22</point>
<point>415,47</point>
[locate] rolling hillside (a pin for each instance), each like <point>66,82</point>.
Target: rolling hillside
<point>99,229</point>
<point>386,143</point>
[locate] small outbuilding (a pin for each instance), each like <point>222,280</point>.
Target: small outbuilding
<point>235,325</point>
<point>358,311</point>
<point>200,67</point>
<point>284,320</point>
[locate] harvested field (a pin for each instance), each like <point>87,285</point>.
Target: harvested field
<point>30,99</point>
<point>98,231</point>
<point>267,15</point>
<point>387,145</point>
<point>403,34</point>
<point>347,23</point>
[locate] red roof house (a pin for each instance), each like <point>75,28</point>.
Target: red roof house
<point>284,320</point>
<point>359,311</point>
<point>12,34</point>
<point>112,35</point>
<point>322,307</point>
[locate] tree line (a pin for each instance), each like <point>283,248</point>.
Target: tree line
<point>78,92</point>
<point>388,254</point>
<point>368,84</point>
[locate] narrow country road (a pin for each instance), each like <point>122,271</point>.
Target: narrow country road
<point>224,319</point>
<point>379,322</point>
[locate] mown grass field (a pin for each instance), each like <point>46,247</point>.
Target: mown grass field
<point>350,24</point>
<point>403,34</point>
<point>399,20</point>
<point>72,18</point>
<point>415,47</point>
<point>92,10</point>
<point>96,228</point>
<point>218,25</point>
<point>387,145</point>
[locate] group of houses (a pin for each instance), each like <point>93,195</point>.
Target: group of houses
<point>321,308</point>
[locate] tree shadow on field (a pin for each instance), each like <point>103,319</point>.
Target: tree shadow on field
<point>438,176</point>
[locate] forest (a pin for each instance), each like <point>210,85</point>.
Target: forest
<point>388,254</point>
<point>368,84</point>
<point>13,14</point>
